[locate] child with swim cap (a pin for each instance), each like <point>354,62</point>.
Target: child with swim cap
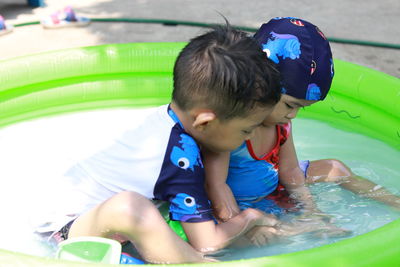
<point>264,172</point>
<point>223,90</point>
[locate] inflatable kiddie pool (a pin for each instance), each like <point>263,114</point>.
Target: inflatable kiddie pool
<point>140,75</point>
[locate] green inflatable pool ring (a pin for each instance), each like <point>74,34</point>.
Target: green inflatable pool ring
<point>140,75</point>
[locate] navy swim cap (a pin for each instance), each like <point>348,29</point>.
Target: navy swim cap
<point>303,56</point>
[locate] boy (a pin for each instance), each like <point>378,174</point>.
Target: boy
<point>223,90</point>
<point>264,172</point>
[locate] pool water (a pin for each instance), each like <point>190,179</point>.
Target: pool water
<point>367,158</point>
<point>33,153</point>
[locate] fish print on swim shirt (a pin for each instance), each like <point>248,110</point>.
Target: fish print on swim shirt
<point>188,155</point>
<point>184,208</point>
<point>181,179</point>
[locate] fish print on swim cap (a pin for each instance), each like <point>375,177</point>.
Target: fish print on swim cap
<point>313,92</point>
<point>302,54</point>
<point>282,45</point>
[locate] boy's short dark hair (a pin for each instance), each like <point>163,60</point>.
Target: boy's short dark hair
<point>225,70</point>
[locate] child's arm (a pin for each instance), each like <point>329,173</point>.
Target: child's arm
<point>222,200</point>
<point>293,178</point>
<point>208,236</point>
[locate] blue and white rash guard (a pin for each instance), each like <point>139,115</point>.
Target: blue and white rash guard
<point>157,159</point>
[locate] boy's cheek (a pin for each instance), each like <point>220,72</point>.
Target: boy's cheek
<point>233,144</point>
<point>221,147</point>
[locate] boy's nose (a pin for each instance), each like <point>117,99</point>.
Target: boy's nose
<point>292,114</point>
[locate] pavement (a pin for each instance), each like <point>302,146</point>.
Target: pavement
<point>367,20</point>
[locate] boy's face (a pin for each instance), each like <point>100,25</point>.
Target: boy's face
<point>286,110</point>
<point>230,134</point>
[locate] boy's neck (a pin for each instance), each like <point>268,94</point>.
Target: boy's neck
<point>198,122</point>
<point>184,117</point>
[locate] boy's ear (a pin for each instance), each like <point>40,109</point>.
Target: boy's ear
<point>202,119</point>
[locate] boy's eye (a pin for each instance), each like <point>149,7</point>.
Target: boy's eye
<point>246,132</point>
<point>288,106</point>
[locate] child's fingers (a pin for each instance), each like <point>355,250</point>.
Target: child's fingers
<point>315,217</point>
<point>269,220</point>
<point>262,235</point>
<point>333,231</point>
<point>260,239</point>
<point>224,213</point>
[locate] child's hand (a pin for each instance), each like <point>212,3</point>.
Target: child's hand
<point>320,225</point>
<point>223,203</point>
<point>262,235</point>
<point>332,231</point>
<point>272,230</point>
<point>224,212</point>
<point>315,217</point>
<point>268,220</point>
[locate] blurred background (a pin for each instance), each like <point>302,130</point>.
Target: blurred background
<point>365,20</point>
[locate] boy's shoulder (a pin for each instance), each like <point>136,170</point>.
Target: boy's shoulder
<point>181,178</point>
<point>160,131</point>
<point>157,118</point>
<point>153,123</point>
